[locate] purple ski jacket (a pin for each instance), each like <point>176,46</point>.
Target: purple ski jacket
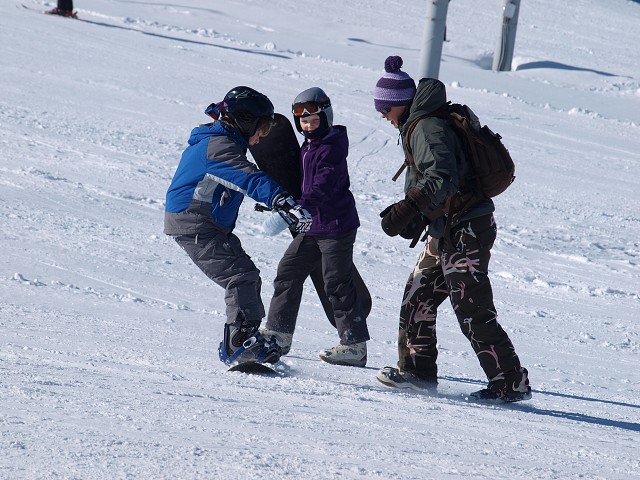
<point>325,184</point>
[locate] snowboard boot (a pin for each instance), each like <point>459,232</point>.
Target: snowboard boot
<point>354,355</point>
<point>513,388</point>
<point>393,377</point>
<point>62,13</point>
<point>282,339</point>
<point>242,342</point>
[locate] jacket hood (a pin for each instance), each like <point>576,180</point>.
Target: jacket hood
<point>430,95</point>
<point>205,131</point>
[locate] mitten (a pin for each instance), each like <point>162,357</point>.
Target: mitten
<point>421,201</point>
<point>396,217</point>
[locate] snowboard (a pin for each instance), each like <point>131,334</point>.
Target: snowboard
<point>278,155</point>
<point>253,367</point>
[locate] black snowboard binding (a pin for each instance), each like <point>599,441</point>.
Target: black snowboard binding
<point>243,343</point>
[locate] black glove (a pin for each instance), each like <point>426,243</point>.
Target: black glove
<point>396,217</point>
<point>296,216</point>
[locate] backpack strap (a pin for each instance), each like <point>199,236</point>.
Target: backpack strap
<point>408,160</point>
<point>441,112</point>
<point>461,123</point>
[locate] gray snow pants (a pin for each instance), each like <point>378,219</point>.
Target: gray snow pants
<point>300,258</point>
<point>221,257</point>
<point>459,272</point>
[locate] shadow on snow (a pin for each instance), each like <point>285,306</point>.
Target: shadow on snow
<point>178,39</point>
<point>561,66</point>
<point>577,417</point>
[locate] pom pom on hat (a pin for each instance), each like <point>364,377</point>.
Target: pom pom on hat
<point>395,88</point>
<point>393,64</point>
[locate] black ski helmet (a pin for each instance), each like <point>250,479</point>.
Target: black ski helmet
<point>313,101</point>
<point>246,107</point>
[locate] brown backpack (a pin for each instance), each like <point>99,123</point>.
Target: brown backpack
<point>491,165</point>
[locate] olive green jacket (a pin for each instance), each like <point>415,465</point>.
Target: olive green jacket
<point>438,155</point>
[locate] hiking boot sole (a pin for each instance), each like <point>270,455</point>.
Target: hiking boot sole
<point>487,395</point>
<point>406,384</point>
<point>345,363</point>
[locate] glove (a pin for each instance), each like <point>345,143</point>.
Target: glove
<point>274,224</point>
<point>396,217</point>
<point>415,227</point>
<point>296,216</point>
<point>419,200</point>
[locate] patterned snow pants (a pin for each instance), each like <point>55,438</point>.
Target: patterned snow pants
<point>460,273</point>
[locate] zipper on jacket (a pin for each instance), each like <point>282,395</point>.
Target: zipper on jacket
<point>306,148</point>
<point>223,197</point>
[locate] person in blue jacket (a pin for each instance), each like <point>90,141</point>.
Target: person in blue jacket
<point>326,194</point>
<point>201,211</point>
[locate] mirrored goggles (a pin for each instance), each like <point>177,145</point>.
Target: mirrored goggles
<point>308,108</point>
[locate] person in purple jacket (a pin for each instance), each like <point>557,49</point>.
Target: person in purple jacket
<point>326,196</point>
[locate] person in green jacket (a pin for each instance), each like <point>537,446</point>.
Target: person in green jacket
<point>455,260</point>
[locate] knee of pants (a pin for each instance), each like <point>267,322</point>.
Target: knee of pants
<point>287,287</point>
<point>482,328</point>
<point>470,292</point>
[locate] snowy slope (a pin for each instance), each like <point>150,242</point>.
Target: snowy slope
<point>109,334</point>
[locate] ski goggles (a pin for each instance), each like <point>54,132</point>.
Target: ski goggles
<point>308,108</point>
<point>215,109</point>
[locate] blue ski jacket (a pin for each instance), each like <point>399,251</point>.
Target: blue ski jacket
<point>211,180</point>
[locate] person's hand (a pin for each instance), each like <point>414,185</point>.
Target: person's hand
<point>419,200</point>
<point>296,216</point>
<point>396,217</point>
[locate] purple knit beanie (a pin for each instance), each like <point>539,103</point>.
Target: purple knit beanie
<point>395,88</point>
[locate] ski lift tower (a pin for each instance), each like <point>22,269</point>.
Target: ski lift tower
<point>503,56</point>
<point>433,38</point>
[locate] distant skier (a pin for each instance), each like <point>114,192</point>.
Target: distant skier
<point>202,207</point>
<point>455,261</point>
<point>64,9</point>
<point>326,194</point>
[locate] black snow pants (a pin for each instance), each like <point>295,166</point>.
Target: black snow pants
<point>300,258</point>
<point>66,5</point>
<point>459,272</point>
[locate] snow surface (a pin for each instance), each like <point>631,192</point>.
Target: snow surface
<point>109,334</point>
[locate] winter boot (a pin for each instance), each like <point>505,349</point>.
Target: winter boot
<point>62,13</point>
<point>393,377</point>
<point>282,339</point>
<point>513,388</point>
<point>354,355</point>
<point>243,343</point>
